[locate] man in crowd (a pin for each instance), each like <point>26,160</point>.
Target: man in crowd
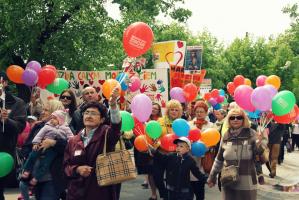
<point>12,122</point>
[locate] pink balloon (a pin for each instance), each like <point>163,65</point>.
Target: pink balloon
<point>177,93</point>
<point>212,101</point>
<point>220,99</point>
<point>141,107</point>
<point>261,99</point>
<point>242,97</point>
<point>260,80</point>
<point>272,90</point>
<point>134,84</point>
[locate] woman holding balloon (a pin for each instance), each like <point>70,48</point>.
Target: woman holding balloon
<point>173,111</point>
<point>200,122</point>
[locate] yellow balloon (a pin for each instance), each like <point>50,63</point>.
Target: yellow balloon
<point>247,82</point>
<point>210,137</point>
<point>273,80</point>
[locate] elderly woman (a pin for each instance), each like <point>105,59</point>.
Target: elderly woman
<point>200,122</point>
<point>82,150</point>
<point>52,185</point>
<point>237,148</point>
<point>173,111</point>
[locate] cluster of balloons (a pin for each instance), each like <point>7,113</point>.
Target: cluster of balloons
<point>186,94</point>
<point>266,98</point>
<point>123,82</point>
<point>238,80</point>
<point>216,98</point>
<point>7,163</point>
<point>34,74</point>
<point>137,39</point>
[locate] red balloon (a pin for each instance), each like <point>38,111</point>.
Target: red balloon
<point>207,96</point>
<point>287,118</point>
<point>190,92</point>
<point>231,88</point>
<point>45,77</point>
<point>239,80</point>
<point>137,39</point>
<point>167,142</point>
<point>215,93</point>
<point>194,135</point>
<point>139,128</point>
<point>51,67</point>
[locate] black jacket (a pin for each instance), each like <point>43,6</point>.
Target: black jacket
<point>276,131</point>
<point>76,123</point>
<point>178,170</point>
<point>14,124</point>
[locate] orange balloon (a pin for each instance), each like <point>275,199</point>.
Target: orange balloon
<point>141,143</point>
<point>207,96</point>
<point>247,82</point>
<point>14,73</point>
<point>231,88</point>
<point>273,80</point>
<point>108,86</point>
<point>210,137</point>
<point>239,80</point>
<point>190,92</point>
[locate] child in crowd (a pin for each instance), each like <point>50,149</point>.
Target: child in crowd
<point>178,168</point>
<point>55,128</point>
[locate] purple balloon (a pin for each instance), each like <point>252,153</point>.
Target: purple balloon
<point>177,93</point>
<point>242,96</point>
<point>34,65</point>
<point>213,101</point>
<point>141,107</point>
<point>261,99</point>
<point>29,77</point>
<point>272,90</point>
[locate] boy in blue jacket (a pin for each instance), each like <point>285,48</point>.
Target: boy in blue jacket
<point>178,168</point>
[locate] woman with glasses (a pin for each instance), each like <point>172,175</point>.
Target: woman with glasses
<point>68,99</point>
<point>82,150</point>
<point>237,147</point>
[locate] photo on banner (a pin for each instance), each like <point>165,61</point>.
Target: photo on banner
<point>169,53</point>
<point>193,58</point>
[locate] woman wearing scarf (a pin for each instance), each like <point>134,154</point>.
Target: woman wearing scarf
<point>200,122</point>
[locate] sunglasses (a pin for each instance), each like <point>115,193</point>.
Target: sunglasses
<point>66,97</point>
<point>236,118</point>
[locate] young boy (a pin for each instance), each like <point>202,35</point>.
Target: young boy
<point>178,168</point>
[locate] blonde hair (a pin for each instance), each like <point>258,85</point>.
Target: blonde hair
<point>173,104</point>
<point>238,111</point>
<point>54,105</point>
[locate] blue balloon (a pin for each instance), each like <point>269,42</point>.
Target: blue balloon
<point>217,106</point>
<point>221,92</point>
<point>181,127</point>
<point>122,79</point>
<point>254,115</point>
<point>198,149</point>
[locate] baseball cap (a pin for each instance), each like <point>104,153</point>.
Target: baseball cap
<point>183,139</point>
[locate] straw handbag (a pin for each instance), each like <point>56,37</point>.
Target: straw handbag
<point>114,167</point>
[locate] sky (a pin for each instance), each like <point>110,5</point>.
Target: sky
<point>229,19</point>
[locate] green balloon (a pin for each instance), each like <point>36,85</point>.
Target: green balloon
<point>283,103</point>
<point>127,121</point>
<point>6,163</point>
<point>153,129</point>
<point>58,86</point>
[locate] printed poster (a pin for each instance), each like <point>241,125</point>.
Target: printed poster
<point>193,58</point>
<point>169,53</point>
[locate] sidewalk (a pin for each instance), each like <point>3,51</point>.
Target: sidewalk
<point>286,184</point>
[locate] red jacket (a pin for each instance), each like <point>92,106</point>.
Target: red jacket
<point>80,188</point>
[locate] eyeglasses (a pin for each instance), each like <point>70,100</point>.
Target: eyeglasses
<point>66,97</point>
<point>91,113</point>
<point>236,118</point>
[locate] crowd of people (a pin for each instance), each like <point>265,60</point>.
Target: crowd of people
<point>58,155</point>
